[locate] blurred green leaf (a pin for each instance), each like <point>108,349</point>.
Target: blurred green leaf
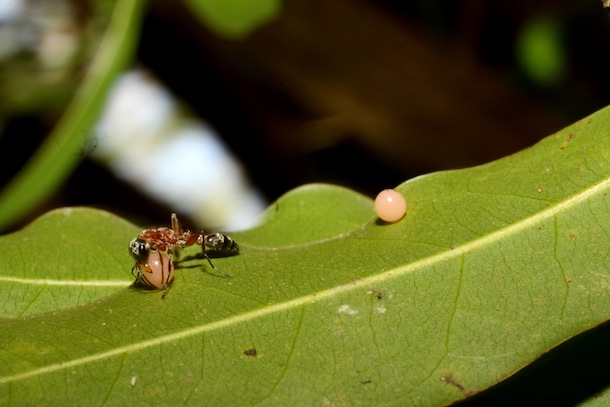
<point>64,147</point>
<point>235,18</point>
<point>540,51</point>
<point>491,268</point>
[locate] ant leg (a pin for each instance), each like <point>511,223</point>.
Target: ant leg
<point>195,238</point>
<point>133,268</point>
<point>222,273</point>
<point>138,274</point>
<point>176,227</point>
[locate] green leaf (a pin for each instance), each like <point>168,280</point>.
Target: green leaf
<point>66,258</point>
<point>63,148</point>
<point>234,18</point>
<point>302,216</point>
<point>491,268</point>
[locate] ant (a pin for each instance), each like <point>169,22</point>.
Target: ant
<point>156,269</point>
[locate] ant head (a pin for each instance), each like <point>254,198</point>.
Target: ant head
<point>139,250</point>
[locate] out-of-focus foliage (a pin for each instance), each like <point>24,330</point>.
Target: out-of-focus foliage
<point>235,18</point>
<point>61,151</point>
<point>540,51</point>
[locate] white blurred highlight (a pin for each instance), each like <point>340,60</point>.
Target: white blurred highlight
<point>146,140</point>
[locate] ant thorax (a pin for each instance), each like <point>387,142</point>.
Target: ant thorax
<point>161,239</point>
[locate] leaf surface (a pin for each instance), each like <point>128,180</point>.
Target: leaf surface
<point>492,267</point>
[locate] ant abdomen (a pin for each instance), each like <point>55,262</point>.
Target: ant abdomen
<point>221,243</point>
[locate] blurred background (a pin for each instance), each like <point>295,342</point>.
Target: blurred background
<point>215,119</point>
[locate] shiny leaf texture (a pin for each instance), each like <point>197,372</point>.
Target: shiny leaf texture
<point>491,268</point>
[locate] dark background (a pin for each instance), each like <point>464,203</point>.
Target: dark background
<point>361,93</point>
